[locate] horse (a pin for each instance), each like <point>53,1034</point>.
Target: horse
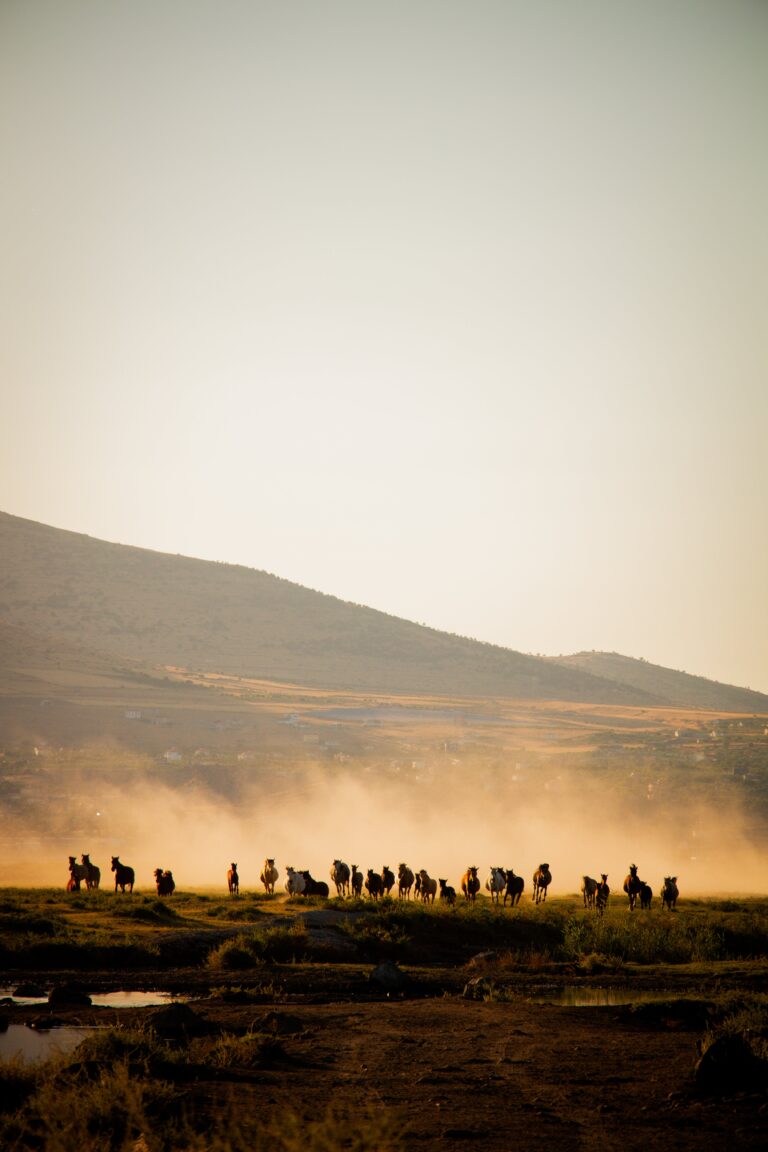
<point>602,894</point>
<point>124,875</point>
<point>93,877</point>
<point>233,880</point>
<point>404,882</point>
<point>514,889</point>
<point>669,893</point>
<point>340,875</point>
<point>632,886</point>
<point>542,878</point>
<point>496,883</point>
<point>269,875</point>
<point>164,881</point>
<point>470,883</point>
<point>77,873</point>
<point>387,879</point>
<point>589,891</point>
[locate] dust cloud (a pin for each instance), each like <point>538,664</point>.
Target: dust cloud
<point>440,825</point>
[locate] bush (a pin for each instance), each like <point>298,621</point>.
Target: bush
<point>233,956</point>
<point>283,943</point>
<point>253,1050</point>
<point>17,1083</point>
<point>105,1113</point>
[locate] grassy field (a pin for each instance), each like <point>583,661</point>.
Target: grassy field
<point>59,930</point>
<point>130,1081</point>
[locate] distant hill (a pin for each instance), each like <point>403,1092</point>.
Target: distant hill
<point>158,609</point>
<point>678,687</point>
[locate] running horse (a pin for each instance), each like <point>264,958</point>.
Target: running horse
<point>124,875</point>
<point>633,886</point>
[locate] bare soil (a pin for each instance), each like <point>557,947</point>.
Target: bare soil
<point>496,1075</point>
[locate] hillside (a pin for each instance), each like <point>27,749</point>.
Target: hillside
<point>159,610</point>
<point>685,690</point>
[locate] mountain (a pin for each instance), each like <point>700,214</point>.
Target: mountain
<point>157,610</point>
<point>680,688</point>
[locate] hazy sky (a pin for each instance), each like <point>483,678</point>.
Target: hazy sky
<point>456,310</point>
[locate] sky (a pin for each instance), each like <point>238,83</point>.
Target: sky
<point>458,311</point>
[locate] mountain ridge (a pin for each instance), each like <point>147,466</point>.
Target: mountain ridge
<point>162,609</point>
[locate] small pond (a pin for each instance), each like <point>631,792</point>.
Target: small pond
<point>108,999</point>
<point>34,1045</point>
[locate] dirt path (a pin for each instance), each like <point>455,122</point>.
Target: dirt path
<point>496,1076</point>
<point>512,1076</point>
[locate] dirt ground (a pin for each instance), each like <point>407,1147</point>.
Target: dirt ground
<point>496,1076</point>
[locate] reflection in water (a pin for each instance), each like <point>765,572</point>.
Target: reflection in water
<point>33,1046</point>
<point>132,999</point>
<point>595,997</point>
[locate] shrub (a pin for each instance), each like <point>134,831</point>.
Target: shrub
<point>90,1114</point>
<point>253,1050</point>
<point>282,943</point>
<point>233,956</point>
<point>17,1083</point>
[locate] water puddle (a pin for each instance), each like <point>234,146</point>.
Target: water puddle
<point>108,999</point>
<point>34,1045</point>
<point>595,997</point>
<point>134,999</point>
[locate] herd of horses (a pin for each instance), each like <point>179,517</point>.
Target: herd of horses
<point>350,882</point>
<point>637,889</point>
<point>125,876</point>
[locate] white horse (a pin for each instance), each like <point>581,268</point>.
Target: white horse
<point>496,883</point>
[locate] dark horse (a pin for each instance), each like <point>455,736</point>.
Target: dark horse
<point>632,886</point>
<point>164,882</point>
<point>515,886</point>
<point>123,875</point>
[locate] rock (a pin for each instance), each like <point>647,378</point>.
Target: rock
<point>482,960</point>
<point>68,996</point>
<point>178,1022</point>
<point>46,1023</point>
<point>388,978</point>
<point>30,990</point>
<point>730,1065</point>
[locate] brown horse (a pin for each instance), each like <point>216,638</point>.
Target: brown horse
<point>470,883</point>
<point>233,880</point>
<point>542,878</point>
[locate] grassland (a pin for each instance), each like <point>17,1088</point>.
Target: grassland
<point>288,1040</point>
